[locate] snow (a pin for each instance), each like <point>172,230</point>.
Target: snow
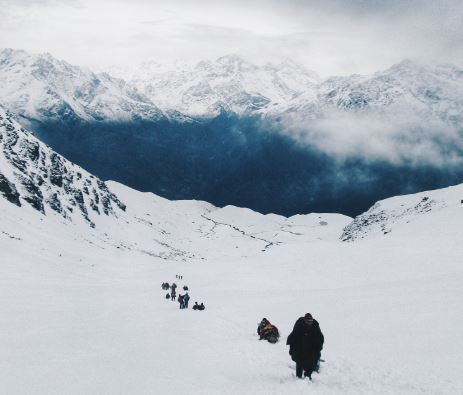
<point>40,87</point>
<point>82,309</point>
<point>229,83</point>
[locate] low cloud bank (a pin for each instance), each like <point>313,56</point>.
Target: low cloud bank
<point>396,138</point>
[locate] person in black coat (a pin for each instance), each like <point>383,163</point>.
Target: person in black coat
<point>305,345</point>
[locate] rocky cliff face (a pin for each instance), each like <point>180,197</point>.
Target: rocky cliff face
<point>32,174</point>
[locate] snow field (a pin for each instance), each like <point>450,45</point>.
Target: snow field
<point>95,320</point>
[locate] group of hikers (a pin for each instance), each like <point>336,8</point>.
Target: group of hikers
<point>182,299</point>
<point>305,343</point>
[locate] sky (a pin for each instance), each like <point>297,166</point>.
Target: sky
<point>331,37</point>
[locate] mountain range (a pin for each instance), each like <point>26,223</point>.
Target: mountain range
<point>274,137</point>
<point>40,86</point>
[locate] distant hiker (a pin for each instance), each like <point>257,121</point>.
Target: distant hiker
<point>180,301</point>
<point>173,294</point>
<point>305,345</point>
<point>167,295</point>
<point>267,331</point>
<point>198,306</point>
<point>186,299</point>
<point>173,286</point>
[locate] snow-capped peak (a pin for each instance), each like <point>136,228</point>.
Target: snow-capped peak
<point>39,86</point>
<point>229,83</point>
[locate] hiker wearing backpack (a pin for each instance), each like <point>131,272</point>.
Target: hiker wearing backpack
<point>267,331</point>
<point>173,294</point>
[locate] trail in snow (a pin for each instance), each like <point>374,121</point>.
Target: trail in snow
<point>216,223</point>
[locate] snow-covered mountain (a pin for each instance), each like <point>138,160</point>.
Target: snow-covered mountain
<point>32,174</point>
<point>417,92</point>
<point>231,84</point>
<point>228,84</point>
<point>81,297</point>
<point>41,87</point>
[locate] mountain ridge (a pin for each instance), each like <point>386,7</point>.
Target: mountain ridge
<point>230,83</point>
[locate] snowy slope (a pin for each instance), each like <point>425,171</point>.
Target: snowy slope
<point>82,311</point>
<point>42,87</point>
<point>395,213</point>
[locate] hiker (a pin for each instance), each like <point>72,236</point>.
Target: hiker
<point>305,345</point>
<point>173,286</point>
<point>201,306</point>
<point>167,295</point>
<point>267,331</point>
<point>264,322</point>
<point>180,301</point>
<point>173,294</point>
<point>186,299</point>
<point>198,306</point>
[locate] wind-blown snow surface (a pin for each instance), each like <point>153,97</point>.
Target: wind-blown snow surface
<point>82,310</point>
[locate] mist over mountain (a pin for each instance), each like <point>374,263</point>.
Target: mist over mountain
<point>274,138</point>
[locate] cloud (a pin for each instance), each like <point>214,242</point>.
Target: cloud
<point>400,140</point>
<point>330,36</point>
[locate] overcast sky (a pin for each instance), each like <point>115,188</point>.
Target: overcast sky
<point>328,36</point>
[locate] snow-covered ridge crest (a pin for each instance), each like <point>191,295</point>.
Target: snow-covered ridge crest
<point>32,174</point>
<point>415,213</point>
